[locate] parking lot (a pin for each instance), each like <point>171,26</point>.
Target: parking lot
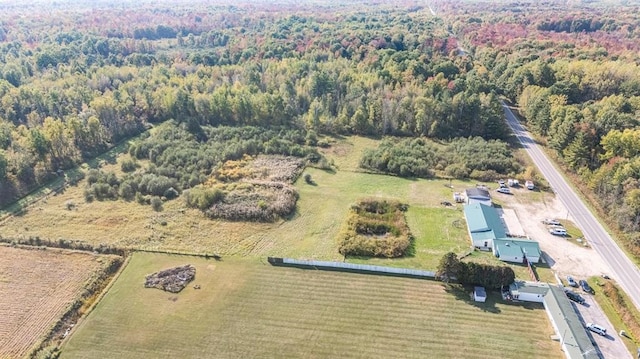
<point>610,346</point>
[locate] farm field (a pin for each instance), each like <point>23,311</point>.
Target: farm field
<point>37,287</point>
<point>247,308</point>
<point>310,233</point>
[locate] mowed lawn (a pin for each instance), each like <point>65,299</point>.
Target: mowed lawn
<point>249,309</point>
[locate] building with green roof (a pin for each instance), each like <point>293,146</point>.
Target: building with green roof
<point>484,225</point>
<point>516,250</point>
<point>487,232</point>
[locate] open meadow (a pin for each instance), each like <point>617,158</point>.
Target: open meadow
<point>310,233</point>
<point>37,287</point>
<point>247,308</point>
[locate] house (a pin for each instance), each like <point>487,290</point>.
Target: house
<point>528,291</point>
<point>478,195</point>
<point>516,250</point>
<point>484,225</point>
<point>479,294</point>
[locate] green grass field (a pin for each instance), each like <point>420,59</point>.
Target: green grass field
<point>247,308</point>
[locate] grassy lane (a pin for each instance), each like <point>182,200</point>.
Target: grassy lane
<point>250,309</point>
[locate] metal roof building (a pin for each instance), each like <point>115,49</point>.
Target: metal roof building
<point>574,340</point>
<point>515,250</point>
<point>484,224</point>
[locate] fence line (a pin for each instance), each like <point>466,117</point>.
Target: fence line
<point>352,267</point>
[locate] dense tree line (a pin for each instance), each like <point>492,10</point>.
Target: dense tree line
<point>493,277</point>
<point>459,158</point>
<point>73,85</point>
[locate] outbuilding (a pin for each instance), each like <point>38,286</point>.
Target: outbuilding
<point>479,294</point>
<point>478,195</point>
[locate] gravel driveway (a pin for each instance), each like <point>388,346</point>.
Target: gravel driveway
<point>564,257</point>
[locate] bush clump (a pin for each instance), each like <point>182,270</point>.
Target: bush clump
<point>458,158</point>
<point>376,228</point>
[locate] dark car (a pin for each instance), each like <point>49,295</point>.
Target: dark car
<point>585,286</point>
<point>574,297</point>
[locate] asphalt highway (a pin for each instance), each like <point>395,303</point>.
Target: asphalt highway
<point>623,270</point>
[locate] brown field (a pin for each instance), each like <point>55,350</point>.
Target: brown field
<point>37,287</point>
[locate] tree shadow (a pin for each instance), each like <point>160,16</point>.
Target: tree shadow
<point>109,157</point>
<point>465,294</point>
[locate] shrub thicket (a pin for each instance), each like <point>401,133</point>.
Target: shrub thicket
<point>260,202</point>
<point>459,158</point>
<point>180,160</point>
<point>376,228</point>
<point>622,307</point>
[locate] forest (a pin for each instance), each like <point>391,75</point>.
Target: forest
<point>73,85</point>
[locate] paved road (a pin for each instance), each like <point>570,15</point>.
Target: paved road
<point>624,271</point>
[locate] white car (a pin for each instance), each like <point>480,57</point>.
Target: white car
<point>504,190</point>
<point>558,231</point>
<point>551,222</point>
<point>597,329</point>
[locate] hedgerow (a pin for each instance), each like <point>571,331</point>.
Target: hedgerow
<point>376,228</point>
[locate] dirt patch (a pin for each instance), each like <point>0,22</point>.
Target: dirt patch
<point>171,280</point>
<point>564,257</point>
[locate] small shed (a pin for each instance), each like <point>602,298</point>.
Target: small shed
<point>479,294</point>
<point>478,195</point>
<point>458,197</point>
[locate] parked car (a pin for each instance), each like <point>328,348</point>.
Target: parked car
<point>551,222</point>
<point>606,276</point>
<point>585,286</point>
<point>556,231</point>
<point>571,281</point>
<point>597,329</point>
<point>504,190</point>
<point>529,185</point>
<point>574,296</point>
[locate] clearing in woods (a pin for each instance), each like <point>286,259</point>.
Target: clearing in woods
<point>248,309</point>
<point>37,287</point>
<point>310,233</point>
